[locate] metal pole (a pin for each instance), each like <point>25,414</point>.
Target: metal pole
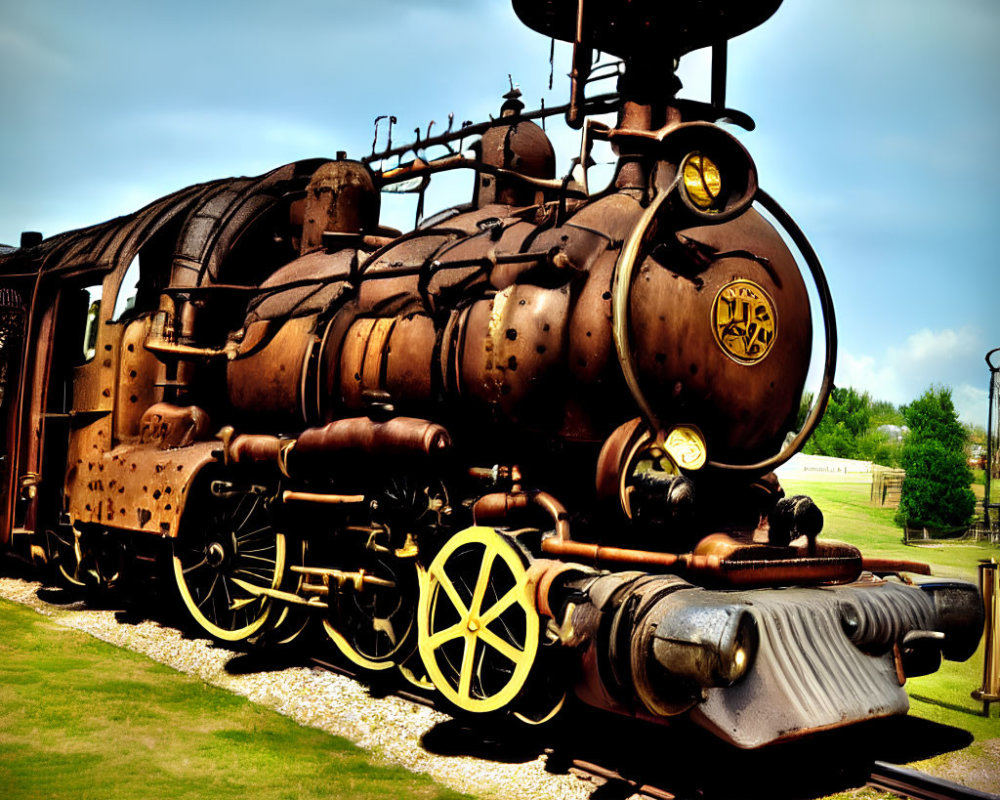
<point>989,585</point>
<point>989,438</point>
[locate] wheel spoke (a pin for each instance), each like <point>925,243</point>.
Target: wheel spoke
<point>225,590</point>
<point>501,605</point>
<point>502,646</point>
<point>267,548</point>
<point>257,576</point>
<point>482,580</point>
<point>246,519</point>
<point>224,518</point>
<point>446,635</point>
<point>193,567</point>
<point>211,590</point>
<point>247,535</point>
<point>244,555</point>
<point>465,674</point>
<point>452,592</point>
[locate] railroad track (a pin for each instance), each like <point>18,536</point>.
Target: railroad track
<point>901,781</point>
<point>921,786</point>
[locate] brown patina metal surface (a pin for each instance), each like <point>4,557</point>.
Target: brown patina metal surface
<point>520,452</point>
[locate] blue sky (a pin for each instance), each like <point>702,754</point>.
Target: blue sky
<point>877,129</point>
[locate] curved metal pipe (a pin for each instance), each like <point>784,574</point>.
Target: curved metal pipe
<point>620,285</point>
<point>716,566</point>
<point>829,330</point>
<point>622,282</point>
<point>496,506</point>
<point>883,565</point>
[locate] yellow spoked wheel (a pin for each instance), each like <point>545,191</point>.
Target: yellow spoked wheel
<point>225,560</point>
<point>478,629</point>
<point>65,556</point>
<point>286,621</point>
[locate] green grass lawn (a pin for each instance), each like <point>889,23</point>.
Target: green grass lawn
<point>82,719</point>
<point>945,696</point>
<point>979,486</point>
<point>850,517</point>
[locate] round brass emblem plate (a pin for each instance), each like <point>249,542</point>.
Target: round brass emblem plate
<point>744,321</point>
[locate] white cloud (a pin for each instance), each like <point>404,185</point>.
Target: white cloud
<point>902,372</point>
<point>971,403</point>
<point>881,380</point>
<point>934,347</point>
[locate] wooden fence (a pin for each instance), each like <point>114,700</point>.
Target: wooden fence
<point>887,486</point>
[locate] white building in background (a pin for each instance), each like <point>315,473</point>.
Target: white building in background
<point>805,467</point>
<point>895,433</point>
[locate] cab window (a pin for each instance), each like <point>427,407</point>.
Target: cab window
<point>127,292</point>
<point>91,300</point>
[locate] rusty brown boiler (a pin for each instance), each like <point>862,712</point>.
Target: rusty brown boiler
<point>520,456</point>
<point>499,320</point>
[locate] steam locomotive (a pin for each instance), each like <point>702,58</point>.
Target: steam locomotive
<point>521,453</point>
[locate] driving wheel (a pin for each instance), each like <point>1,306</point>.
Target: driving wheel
<point>371,621</point>
<point>478,628</point>
<point>227,556</point>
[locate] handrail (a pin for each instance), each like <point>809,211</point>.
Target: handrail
<point>830,332</point>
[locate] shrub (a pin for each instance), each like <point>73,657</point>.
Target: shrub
<point>936,490</point>
<point>876,447</point>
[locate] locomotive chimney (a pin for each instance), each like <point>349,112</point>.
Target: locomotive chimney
<point>341,202</point>
<point>516,145</point>
<point>646,106</point>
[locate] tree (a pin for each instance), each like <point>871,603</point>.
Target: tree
<point>936,490</point>
<point>805,406</point>
<point>876,446</point>
<point>847,417</point>
<point>885,413</point>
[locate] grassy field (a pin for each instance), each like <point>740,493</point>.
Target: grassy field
<point>943,697</point>
<point>82,719</point>
<point>979,486</point>
<point>850,517</point>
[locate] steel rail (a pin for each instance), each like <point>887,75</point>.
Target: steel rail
<point>643,790</point>
<point>921,786</point>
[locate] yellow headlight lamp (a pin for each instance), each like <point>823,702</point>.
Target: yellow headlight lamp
<point>702,181</point>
